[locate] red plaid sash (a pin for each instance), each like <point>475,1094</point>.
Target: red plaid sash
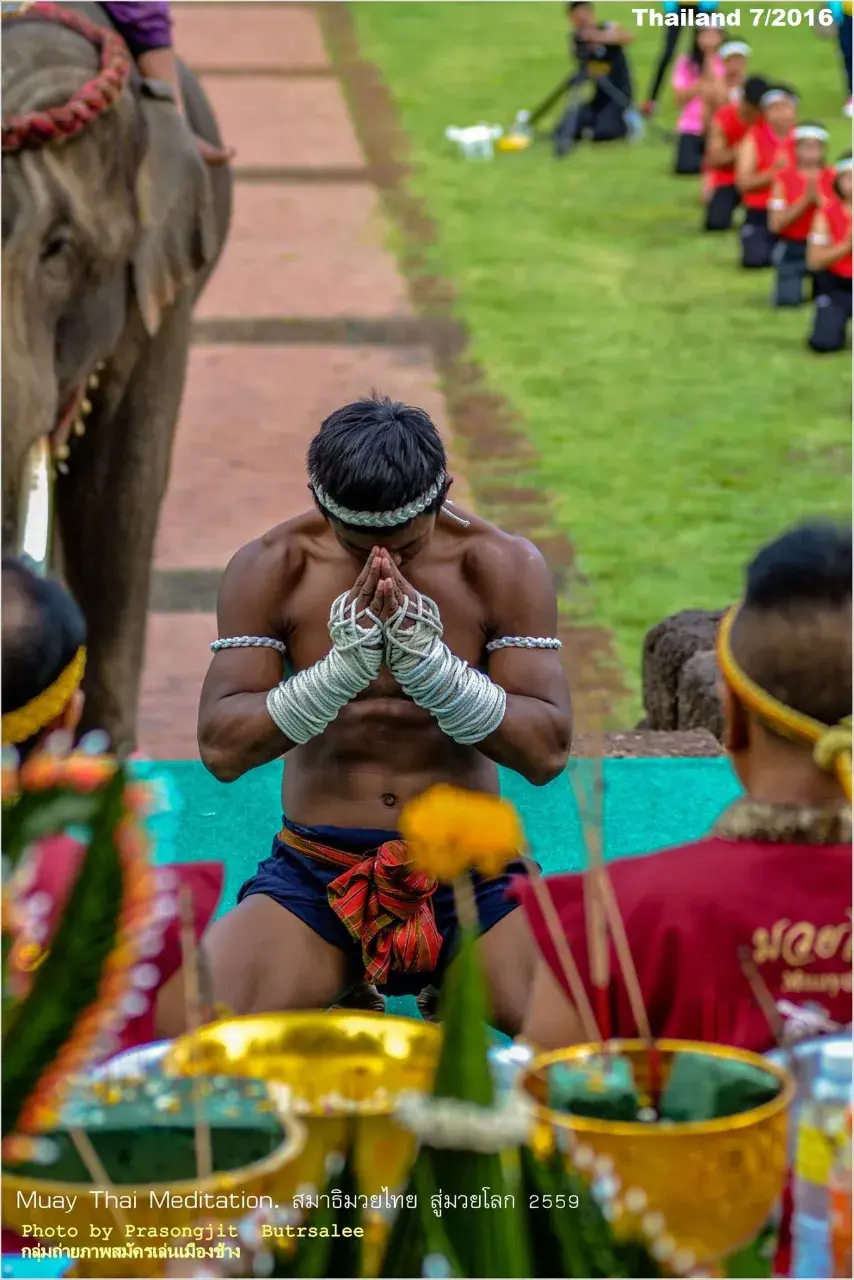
<point>383,903</point>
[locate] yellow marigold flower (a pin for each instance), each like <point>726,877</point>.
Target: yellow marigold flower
<point>450,831</point>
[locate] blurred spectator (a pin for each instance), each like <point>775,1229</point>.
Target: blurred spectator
<point>829,256</point>
<point>44,656</point>
<point>599,49</point>
<point>43,639</point>
<point>795,196</point>
<point>697,78</point>
<point>729,126</point>
<point>842,15</point>
<point>672,36</point>
<point>765,152</point>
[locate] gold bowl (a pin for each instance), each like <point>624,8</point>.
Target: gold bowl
<point>715,1182</point>
<point>344,1072</point>
<point>37,1208</point>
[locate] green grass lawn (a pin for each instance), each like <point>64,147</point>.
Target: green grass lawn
<point>679,421</point>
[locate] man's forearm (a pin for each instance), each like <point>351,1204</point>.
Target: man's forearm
<point>238,735</point>
<point>533,739</point>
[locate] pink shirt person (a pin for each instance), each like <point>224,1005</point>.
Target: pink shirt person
<point>686,75</point>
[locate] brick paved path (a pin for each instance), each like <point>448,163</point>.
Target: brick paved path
<point>307,310</point>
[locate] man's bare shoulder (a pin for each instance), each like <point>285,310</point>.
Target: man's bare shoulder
<point>277,558</point>
<point>496,558</point>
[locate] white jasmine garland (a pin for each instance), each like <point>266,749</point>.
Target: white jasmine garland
<point>452,1124</point>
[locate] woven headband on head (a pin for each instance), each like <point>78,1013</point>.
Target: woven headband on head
<point>40,711</point>
<point>810,133</point>
<point>777,95</point>
<point>59,124</point>
<point>379,519</point>
<point>735,48</point>
<point>843,166</point>
<point>831,744</point>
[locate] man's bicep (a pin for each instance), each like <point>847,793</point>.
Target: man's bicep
<point>527,610</point>
<point>245,608</point>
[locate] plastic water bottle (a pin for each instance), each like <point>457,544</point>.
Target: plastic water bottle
<point>822,1125</point>
<point>839,1191</point>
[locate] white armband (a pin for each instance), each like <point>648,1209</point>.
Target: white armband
<point>305,704</point>
<point>468,706</point>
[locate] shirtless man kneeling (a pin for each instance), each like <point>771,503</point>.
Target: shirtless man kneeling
<point>443,664</point>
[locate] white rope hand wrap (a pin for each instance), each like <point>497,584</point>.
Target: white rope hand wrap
<point>305,704</point>
<point>465,702</point>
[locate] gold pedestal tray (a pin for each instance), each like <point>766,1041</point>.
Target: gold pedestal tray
<point>35,1208</point>
<point>715,1182</point>
<point>344,1071</point>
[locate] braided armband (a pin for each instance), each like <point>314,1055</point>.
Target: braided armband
<point>305,704</point>
<point>467,705</point>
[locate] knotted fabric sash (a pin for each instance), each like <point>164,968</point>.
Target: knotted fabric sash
<point>382,902</point>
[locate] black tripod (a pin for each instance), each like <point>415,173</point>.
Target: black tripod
<point>565,134</point>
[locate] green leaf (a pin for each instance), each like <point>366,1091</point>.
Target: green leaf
<point>489,1241</point>
<point>418,1232</point>
<point>463,1070</point>
<point>327,1254</point>
<point>67,982</point>
<point>754,1261</point>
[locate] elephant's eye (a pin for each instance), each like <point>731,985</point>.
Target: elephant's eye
<point>57,245</point>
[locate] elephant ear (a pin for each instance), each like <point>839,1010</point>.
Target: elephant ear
<point>176,214</point>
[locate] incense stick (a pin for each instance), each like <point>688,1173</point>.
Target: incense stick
<point>569,968</point>
<point>190,965</point>
<point>601,888</point>
<point>763,997</point>
<point>97,1172</point>
<point>598,950</point>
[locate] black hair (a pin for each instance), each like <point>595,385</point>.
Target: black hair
<point>42,630</point>
<point>755,88</point>
<point>793,633</point>
<point>836,187</point>
<point>377,454</point>
<point>579,4</point>
<point>695,53</point>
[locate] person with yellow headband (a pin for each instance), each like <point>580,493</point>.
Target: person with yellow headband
<point>774,875</point>
<point>44,658</point>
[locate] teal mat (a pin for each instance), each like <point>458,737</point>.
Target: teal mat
<point>648,804</point>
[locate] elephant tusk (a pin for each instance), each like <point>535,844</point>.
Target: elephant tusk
<point>35,518</point>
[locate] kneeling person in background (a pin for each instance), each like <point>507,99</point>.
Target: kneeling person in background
<point>728,128</point>
<point>697,82</point>
<point>599,50</point>
<point>765,152</point>
<point>796,194</point>
<point>829,256</point>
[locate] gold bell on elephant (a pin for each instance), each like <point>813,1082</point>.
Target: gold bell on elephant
<point>715,1183</point>
<point>341,1072</point>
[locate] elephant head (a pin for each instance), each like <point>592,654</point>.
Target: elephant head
<point>100,234</point>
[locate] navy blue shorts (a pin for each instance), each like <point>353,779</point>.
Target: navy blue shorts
<point>299,884</point>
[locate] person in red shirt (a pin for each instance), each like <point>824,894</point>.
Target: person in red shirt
<point>767,149</point>
<point>774,875</point>
<point>44,656</point>
<point>727,130</point>
<point>795,196</point>
<point>829,256</point>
